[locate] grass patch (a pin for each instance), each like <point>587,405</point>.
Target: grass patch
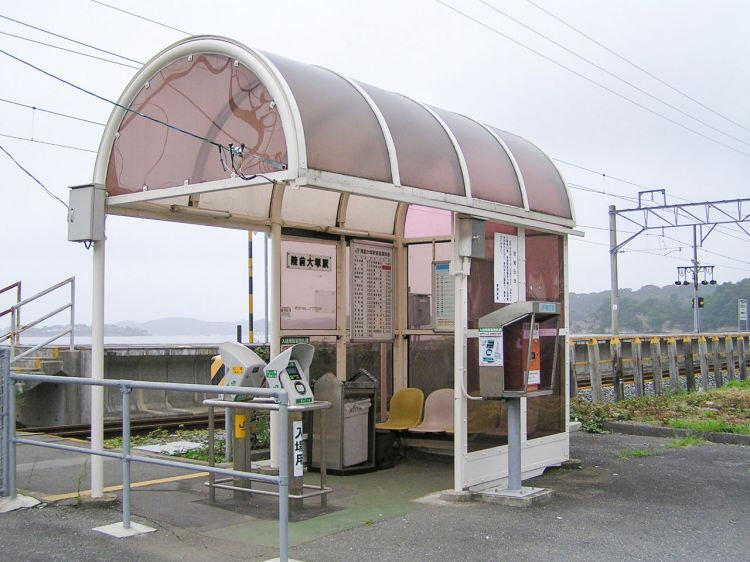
<point>635,453</point>
<point>686,442</point>
<point>725,410</point>
<point>710,426</point>
<point>258,426</point>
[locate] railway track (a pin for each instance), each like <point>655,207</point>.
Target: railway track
<point>114,427</point>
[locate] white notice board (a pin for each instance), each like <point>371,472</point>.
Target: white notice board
<point>506,268</point>
<point>443,297</point>
<point>371,286</point>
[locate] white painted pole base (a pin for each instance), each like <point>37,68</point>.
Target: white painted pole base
<point>119,531</point>
<point>19,502</point>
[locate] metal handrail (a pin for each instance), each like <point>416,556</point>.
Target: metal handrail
<point>17,286</point>
<point>10,440</point>
<point>16,329</point>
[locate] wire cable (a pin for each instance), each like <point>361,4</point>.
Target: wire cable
<point>35,108</point>
<point>612,74</point>
<point>140,17</point>
<point>19,22</point>
<point>67,50</point>
<point>7,136</point>
<point>591,80</point>
<point>636,66</point>
<point>33,177</point>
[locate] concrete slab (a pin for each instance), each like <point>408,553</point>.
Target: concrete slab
<point>527,496</point>
<point>119,531</point>
<point>19,502</point>
<point>678,504</point>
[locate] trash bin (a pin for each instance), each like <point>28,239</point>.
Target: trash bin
<point>350,423</point>
<point>355,431</point>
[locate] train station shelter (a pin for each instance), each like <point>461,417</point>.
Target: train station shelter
<point>394,226</point>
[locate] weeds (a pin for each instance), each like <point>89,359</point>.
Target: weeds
<point>686,442</point>
<point>635,453</point>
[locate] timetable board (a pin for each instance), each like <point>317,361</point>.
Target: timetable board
<point>443,297</point>
<point>371,286</point>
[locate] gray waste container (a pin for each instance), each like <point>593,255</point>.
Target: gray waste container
<point>350,423</point>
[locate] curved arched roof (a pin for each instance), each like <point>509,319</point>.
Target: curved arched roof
<point>208,122</point>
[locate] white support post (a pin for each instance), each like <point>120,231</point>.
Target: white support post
<point>460,267</point>
<point>274,314</point>
<point>97,370</point>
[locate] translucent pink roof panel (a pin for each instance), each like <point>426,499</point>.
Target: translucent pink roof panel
<point>426,157</point>
<point>209,97</point>
<point>491,172</point>
<point>545,189</point>
<point>425,222</point>
<point>342,133</point>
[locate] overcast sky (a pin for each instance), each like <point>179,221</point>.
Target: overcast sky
<point>419,48</point>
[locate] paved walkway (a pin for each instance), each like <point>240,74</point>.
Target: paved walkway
<point>676,504</point>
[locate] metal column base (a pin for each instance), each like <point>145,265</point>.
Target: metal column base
<point>19,502</point>
<point>119,531</point>
<point>525,497</point>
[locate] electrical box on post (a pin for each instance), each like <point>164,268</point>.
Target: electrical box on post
<point>519,350</point>
<point>86,213</point>
<point>470,238</point>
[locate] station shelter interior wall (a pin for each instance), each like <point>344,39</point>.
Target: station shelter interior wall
<point>309,303</point>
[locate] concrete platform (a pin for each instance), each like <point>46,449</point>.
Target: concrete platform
<point>678,504</point>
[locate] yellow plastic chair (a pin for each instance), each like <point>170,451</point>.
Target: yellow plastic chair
<point>407,406</point>
<point>438,412</point>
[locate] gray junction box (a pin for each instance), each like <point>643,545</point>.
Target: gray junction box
<point>86,213</point>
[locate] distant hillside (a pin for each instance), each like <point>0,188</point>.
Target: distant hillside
<point>182,327</point>
<point>85,330</point>
<point>653,309</point>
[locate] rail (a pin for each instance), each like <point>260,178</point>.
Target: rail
<point>9,441</point>
<point>16,328</point>
<point>671,363</point>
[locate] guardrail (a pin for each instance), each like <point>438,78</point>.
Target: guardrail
<point>668,359</point>
<point>9,440</point>
<point>16,328</point>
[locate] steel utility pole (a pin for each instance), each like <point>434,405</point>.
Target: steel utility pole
<point>650,217</point>
<point>614,285</point>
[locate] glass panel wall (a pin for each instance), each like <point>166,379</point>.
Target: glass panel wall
<point>545,415</point>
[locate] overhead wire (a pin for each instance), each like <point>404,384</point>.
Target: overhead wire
<point>140,17</point>
<point>33,177</point>
<point>59,48</point>
<point>131,110</point>
<point>610,73</point>
<point>76,41</point>
<point>47,143</point>
<point>638,67</point>
<point>67,116</point>
<point>591,80</point>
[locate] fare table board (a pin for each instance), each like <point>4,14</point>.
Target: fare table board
<point>443,297</point>
<point>371,286</point>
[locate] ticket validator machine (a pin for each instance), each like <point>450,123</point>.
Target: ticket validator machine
<point>288,370</point>
<point>519,349</point>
